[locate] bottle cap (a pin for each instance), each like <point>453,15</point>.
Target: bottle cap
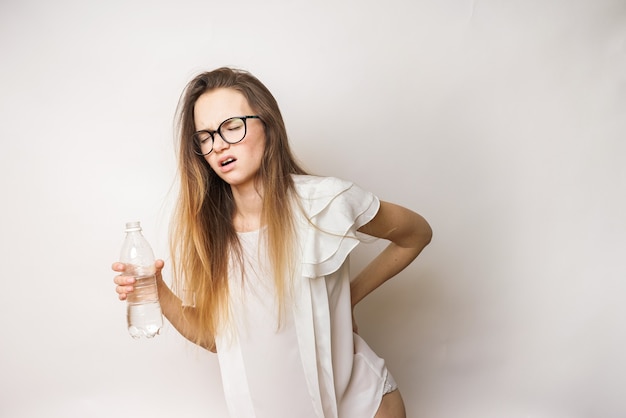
<point>133,226</point>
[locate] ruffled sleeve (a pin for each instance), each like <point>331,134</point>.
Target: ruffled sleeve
<point>336,209</point>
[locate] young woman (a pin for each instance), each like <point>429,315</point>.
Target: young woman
<point>260,257</point>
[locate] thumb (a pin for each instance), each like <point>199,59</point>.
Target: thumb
<point>158,265</point>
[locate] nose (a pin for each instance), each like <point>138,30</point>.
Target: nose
<point>218,143</point>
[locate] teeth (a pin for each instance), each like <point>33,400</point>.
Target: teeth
<point>228,161</point>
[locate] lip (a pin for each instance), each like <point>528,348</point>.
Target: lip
<point>228,167</point>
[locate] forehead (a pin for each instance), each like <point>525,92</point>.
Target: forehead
<point>215,106</point>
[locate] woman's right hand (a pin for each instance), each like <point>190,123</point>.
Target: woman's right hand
<point>124,283</point>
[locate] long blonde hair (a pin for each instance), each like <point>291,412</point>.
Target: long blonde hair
<point>203,236</point>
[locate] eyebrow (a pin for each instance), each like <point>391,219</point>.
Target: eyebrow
<point>218,125</point>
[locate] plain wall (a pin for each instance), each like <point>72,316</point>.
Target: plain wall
<point>503,123</point>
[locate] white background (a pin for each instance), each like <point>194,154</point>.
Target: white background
<point>503,123</point>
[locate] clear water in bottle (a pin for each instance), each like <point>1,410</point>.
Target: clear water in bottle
<point>143,312</point>
<point>143,309</point>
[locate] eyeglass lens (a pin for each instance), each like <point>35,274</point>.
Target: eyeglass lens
<point>231,130</point>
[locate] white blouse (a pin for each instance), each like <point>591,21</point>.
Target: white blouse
<point>310,363</point>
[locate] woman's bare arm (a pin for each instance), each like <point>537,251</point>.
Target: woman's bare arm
<point>183,318</point>
<point>408,234</point>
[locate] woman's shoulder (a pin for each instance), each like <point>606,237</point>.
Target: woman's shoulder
<point>328,194</point>
<point>335,210</point>
<point>310,186</point>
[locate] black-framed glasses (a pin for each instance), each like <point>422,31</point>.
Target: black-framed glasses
<point>232,130</point>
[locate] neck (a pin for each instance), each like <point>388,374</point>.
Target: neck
<point>249,204</point>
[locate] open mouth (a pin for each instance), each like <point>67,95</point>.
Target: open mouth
<point>228,161</point>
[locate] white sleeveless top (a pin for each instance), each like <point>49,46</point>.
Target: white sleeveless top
<point>312,365</point>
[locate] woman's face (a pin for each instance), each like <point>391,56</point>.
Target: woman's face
<point>237,164</point>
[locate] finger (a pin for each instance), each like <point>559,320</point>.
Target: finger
<point>124,280</point>
<point>123,290</point>
<point>117,266</point>
<point>159,264</point>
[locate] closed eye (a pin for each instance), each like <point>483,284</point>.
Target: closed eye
<point>234,124</point>
<point>202,136</point>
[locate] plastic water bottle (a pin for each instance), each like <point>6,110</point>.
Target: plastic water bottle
<point>143,309</point>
